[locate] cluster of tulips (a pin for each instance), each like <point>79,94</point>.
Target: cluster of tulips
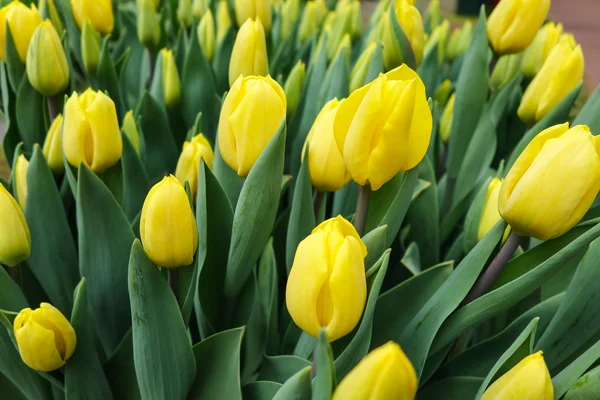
<point>276,199</point>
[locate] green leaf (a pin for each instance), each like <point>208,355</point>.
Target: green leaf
<point>281,368</point>
<point>302,216</point>
<point>108,80</point>
<point>84,377</point>
<point>325,371</point>
<point>411,259</point>
<point>337,80</point>
<point>11,296</point>
<point>469,103</point>
<point>31,108</point>
<point>419,334</point>
<point>569,376</point>
<point>376,66</point>
<point>105,239</point>
<point>260,390</point>
<point>407,54</point>
<point>255,213</point>
<point>158,332</point>
<point>11,131</point>
<point>227,177</point>
<point>15,68</point>
<point>375,242</point>
<point>358,347</point>
<point>9,390</point>
<point>74,37</point>
<point>590,113</point>
<point>221,59</point>
<point>344,200</point>
<point>268,296</point>
<point>298,387</point>
<point>120,371</point>
<point>51,240</point>
<point>473,218</point>
<point>156,85</point>
<point>135,180</point>
<point>429,70</point>
<point>455,388</point>
<point>587,387</point>
<point>218,367</point>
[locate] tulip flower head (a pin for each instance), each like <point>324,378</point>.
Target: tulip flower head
<point>22,22</point>
<point>249,54</point>
<point>327,285</point>
<point>206,35</point>
<point>253,9</point>
<point>20,174</point>
<point>223,20</point>
<point>199,7</point>
<point>15,239</point>
<point>539,50</point>
<point>53,149</point>
<point>90,48</point>
<point>45,338</point>
<point>148,26</point>
<point>446,120</point>
<point>184,13</point>
<point>170,79</point>
<point>293,87</point>
<point>410,21</point>
<point>459,41</point>
<point>47,67</point>
<point>490,214</point>
<point>189,161</point>
<point>98,12</point>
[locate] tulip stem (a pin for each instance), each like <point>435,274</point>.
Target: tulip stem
<point>151,64</point>
<point>52,107</point>
<point>174,282</point>
<point>494,269</point>
<point>362,209</point>
<point>317,202</point>
<point>14,273</point>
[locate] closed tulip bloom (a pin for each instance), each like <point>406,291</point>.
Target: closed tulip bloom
<point>290,12</point>
<point>170,79</point>
<point>90,48</point>
<point>223,20</point>
<point>412,24</point>
<point>340,24</point>
<point>53,149</point>
<point>553,182</point>
<point>442,93</point>
<point>91,132</point>
<point>446,120</point>
<point>148,26</point>
<point>385,373</point>
<point>490,215</point>
<point>22,22</point>
<point>356,20</point>
<point>384,127</point>
<point>253,9</point>
<point>252,112</point>
<point>45,338</point>
<point>189,161</point>
<point>327,286</point>
<point>98,12</point>
<point>206,34</point>
<point>249,54</point>
<point>459,41</point>
<point>20,183</point>
<point>167,225</point>
<point>433,15</point>
<point>47,67</point>
<point>130,130</point>
<point>293,87</point>
<point>345,48</point>
<point>308,23</point>
<point>15,239</point>
<point>562,71</point>
<point>325,162</point>
<point>506,68</point>
<point>528,380</point>
<point>358,75</point>
<point>535,55</point>
<point>513,24</point>
<point>439,36</point>
<point>184,13</point>
<point>199,7</point>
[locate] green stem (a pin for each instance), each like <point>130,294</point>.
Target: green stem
<point>174,282</point>
<point>317,202</point>
<point>362,209</point>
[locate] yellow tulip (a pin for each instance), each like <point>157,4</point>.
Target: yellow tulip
<point>327,286</point>
<point>206,34</point>
<point>253,9</point>
<point>528,380</point>
<point>385,373</point>
<point>356,20</point>
<point>321,11</point>
<point>308,23</point>
<point>293,87</point>
<point>249,54</point>
<point>252,112</point>
<point>513,24</point>
<point>358,75</point>
<point>553,182</point>
<point>15,239</point>
<point>98,12</point>
<point>223,20</point>
<point>325,163</point>
<point>460,40</point>
<point>507,67</point>
<point>412,24</point>
<point>535,55</point>
<point>384,127</point>
<point>45,338</point>
<point>53,149</point>
<point>562,72</point>
<point>446,120</point>
<point>442,93</point>
<point>22,22</point>
<point>20,174</point>
<point>130,130</point>
<point>344,47</point>
<point>199,7</point>
<point>184,13</point>
<point>189,161</point>
<point>170,79</point>
<point>90,48</point>
<point>290,11</point>
<point>91,132</point>
<point>439,36</point>
<point>148,27</point>
<point>490,214</point>
<point>47,67</point>
<point>167,225</point>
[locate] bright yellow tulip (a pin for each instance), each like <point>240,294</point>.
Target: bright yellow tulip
<point>98,12</point>
<point>206,35</point>
<point>22,22</point>
<point>170,79</point>
<point>47,67</point>
<point>553,182</point>
<point>411,23</point>
<point>446,120</point>
<point>20,175</point>
<point>15,239</point>
<point>249,54</point>
<point>539,50</point>
<point>53,149</point>
<point>253,9</point>
<point>189,161</point>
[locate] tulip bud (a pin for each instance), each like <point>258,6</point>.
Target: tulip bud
<point>385,373</point>
<point>52,150</point>
<point>490,215</point>
<point>293,87</point>
<point>345,48</point>
<point>253,9</point>
<point>356,19</point>
<point>170,79</point>
<point>252,112</point>
<point>47,67</point>
<point>98,12</point>
<point>148,27</point>
<point>439,36</point>
<point>184,13</point>
<point>290,11</point>
<point>358,75</point>
<point>340,26</point>
<point>249,54</point>
<point>90,48</point>
<point>321,11</point>
<point>528,380</point>
<point>223,20</point>
<point>553,182</point>
<point>199,7</point>
<point>327,286</point>
<point>535,55</point>
<point>433,15</point>
<point>442,93</point>
<point>367,124</point>
<point>22,22</point>
<point>170,239</point>
<point>512,26</point>
<point>411,23</point>
<point>561,73</point>
<point>506,68</point>
<point>45,338</point>
<point>20,183</point>
<point>446,120</point>
<point>308,23</point>
<point>189,161</point>
<point>130,130</point>
<point>91,132</point>
<point>15,239</point>
<point>206,34</point>
<point>325,162</point>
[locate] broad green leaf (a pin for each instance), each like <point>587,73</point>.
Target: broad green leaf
<point>221,59</point>
<point>11,130</point>
<point>269,297</point>
<point>255,213</point>
<point>158,332</point>
<point>298,387</point>
<point>156,85</point>
<point>455,388</point>
<point>376,66</point>
<point>11,296</point>
<point>344,200</point>
<point>218,366</point>
<point>336,81</point>
<point>105,239</point>
<point>227,177</point>
<point>281,368</point>
<point>590,113</point>
<point>429,70</point>
<point>569,376</point>
<point>74,37</point>
<point>9,390</point>
<point>108,80</point>
<point>587,387</point>
<point>135,180</point>
<point>411,259</point>
<point>324,369</point>
<point>120,371</point>
<point>30,110</point>
<point>375,241</point>
<point>14,66</point>
<point>473,218</point>
<point>260,390</point>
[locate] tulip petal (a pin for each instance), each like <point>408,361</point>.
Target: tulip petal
<point>76,133</point>
<point>499,22</point>
<point>527,18</point>
<point>62,325</point>
<point>226,137</point>
<point>37,347</point>
<point>345,114</point>
<point>106,136</point>
<point>15,245</point>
